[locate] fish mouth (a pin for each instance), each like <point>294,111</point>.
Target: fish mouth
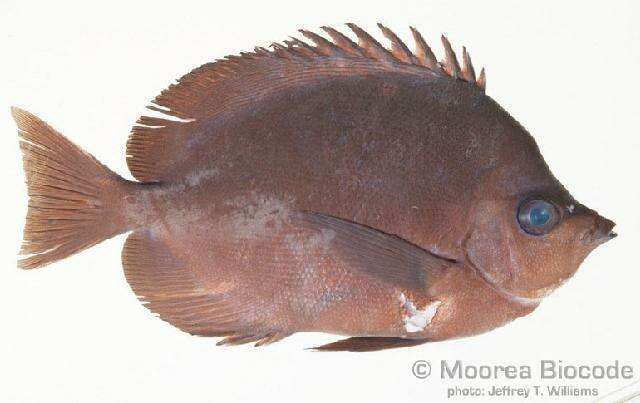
<point>601,232</point>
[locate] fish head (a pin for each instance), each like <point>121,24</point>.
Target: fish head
<point>528,234</point>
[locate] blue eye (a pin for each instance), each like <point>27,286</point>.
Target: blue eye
<point>537,217</point>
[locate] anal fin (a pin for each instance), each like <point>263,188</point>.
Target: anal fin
<point>260,340</point>
<point>166,286</point>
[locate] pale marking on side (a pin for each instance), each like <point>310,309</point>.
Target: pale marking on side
<point>195,178</point>
<point>416,320</point>
<point>256,218</point>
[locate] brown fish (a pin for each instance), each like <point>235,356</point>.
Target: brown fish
<point>322,186</point>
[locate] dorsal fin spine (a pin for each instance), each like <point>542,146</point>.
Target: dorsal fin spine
<point>370,45</point>
<point>281,51</point>
<point>343,41</point>
<point>398,48</point>
<point>481,82</point>
<point>297,45</point>
<point>451,64</point>
<point>423,52</point>
<point>326,47</point>
<point>468,73</point>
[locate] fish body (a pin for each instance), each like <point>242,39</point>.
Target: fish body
<point>334,187</point>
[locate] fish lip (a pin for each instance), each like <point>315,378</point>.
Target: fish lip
<point>606,229</point>
<point>601,232</point>
<point>609,236</point>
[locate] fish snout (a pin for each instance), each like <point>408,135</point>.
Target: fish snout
<point>604,229</point>
<point>600,232</point>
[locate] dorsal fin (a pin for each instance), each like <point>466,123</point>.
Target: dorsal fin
<point>326,47</point>
<point>298,46</point>
<point>398,48</point>
<point>481,82</point>
<point>468,73</point>
<point>423,52</point>
<point>372,48</point>
<point>343,41</point>
<point>451,65</point>
<point>156,148</point>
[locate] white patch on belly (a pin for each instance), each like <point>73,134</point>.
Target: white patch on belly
<point>416,320</point>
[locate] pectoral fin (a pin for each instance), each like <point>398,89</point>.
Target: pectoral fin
<point>384,256</point>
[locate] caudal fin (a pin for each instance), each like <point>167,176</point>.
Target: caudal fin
<point>73,199</point>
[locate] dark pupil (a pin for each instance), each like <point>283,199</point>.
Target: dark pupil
<point>539,216</point>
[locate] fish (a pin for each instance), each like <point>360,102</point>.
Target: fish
<point>323,184</point>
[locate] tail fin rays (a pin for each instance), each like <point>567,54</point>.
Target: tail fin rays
<point>72,196</point>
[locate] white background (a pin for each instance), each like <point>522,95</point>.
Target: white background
<point>568,71</point>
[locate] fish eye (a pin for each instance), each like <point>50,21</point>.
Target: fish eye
<point>537,217</point>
